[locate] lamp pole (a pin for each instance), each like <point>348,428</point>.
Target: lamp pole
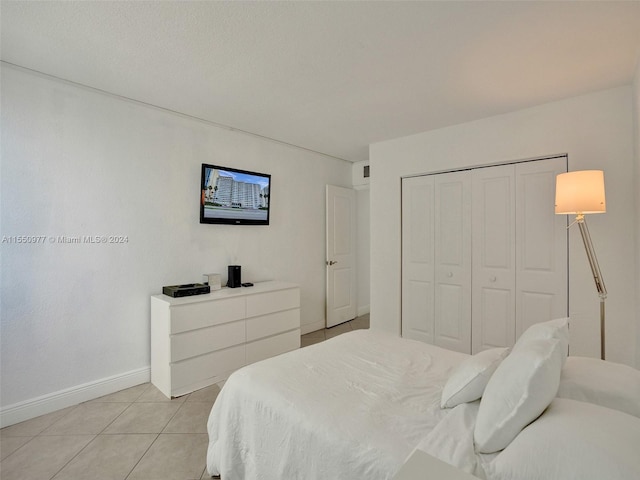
<point>597,276</point>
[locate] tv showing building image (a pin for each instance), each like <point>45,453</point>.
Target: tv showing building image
<point>236,197</point>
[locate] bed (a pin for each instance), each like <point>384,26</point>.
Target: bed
<point>356,407</point>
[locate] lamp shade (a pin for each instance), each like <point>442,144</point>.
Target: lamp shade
<point>580,192</point>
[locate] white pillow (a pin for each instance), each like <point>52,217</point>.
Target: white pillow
<point>468,379</point>
<point>521,388</point>
<point>557,328</point>
<point>572,441</point>
<point>604,383</point>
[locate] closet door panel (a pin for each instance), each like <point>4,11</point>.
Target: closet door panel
<point>417,311</point>
<point>541,264</point>
<point>417,259</point>
<point>536,306</point>
<point>450,323</point>
<point>453,261</point>
<point>494,245</point>
<point>496,329</point>
<point>482,244</point>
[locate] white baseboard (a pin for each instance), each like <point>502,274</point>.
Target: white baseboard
<point>311,327</point>
<point>19,412</point>
<point>363,310</point>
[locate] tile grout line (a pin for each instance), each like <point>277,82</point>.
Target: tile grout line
<point>107,426</point>
<point>142,456</point>
<point>173,416</point>
<point>71,459</point>
<point>40,434</point>
<point>95,435</point>
<point>94,438</point>
<point>56,421</point>
<point>102,432</point>
<point>155,439</point>
<point>17,449</point>
<point>116,417</point>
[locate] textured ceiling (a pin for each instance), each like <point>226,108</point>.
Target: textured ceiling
<point>330,76</point>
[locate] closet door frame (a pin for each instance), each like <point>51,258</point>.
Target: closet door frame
<point>423,320</point>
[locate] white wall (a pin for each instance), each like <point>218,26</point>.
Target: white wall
<point>636,133</point>
<point>361,185</point>
<point>363,256</point>
<point>596,132</point>
<point>79,162</point>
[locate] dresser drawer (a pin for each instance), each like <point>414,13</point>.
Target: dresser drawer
<point>204,314</point>
<point>271,324</point>
<point>210,365</point>
<point>272,346</point>
<point>205,340</point>
<point>269,302</point>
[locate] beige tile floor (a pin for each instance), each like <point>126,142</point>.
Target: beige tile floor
<point>134,434</point>
<point>321,335</point>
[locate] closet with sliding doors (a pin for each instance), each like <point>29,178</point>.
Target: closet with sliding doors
<point>483,254</point>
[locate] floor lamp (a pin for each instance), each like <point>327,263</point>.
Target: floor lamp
<point>580,193</point>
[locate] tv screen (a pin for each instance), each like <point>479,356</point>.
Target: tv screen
<point>234,197</point>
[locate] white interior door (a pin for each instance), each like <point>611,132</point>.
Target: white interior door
<point>452,261</point>
<point>494,257</point>
<point>417,258</point>
<point>341,258</point>
<point>541,236</point>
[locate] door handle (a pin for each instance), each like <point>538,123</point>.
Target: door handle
<point>331,262</point>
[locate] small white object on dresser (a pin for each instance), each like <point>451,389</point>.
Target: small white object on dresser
<point>200,340</point>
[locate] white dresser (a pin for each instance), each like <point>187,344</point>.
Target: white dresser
<point>198,341</point>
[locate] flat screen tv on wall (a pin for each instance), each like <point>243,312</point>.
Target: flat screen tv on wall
<point>234,197</point>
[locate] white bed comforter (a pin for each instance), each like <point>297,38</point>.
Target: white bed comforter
<point>353,407</point>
